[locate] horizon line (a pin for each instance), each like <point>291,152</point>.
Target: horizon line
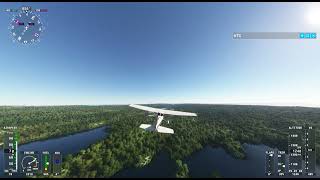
<point>123,104</point>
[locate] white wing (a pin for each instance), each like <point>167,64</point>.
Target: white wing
<point>163,111</point>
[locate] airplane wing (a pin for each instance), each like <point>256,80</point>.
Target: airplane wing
<point>162,111</point>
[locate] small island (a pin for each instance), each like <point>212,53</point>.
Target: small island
<point>143,161</point>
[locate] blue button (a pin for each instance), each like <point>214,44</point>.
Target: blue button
<point>307,35</point>
<point>313,35</point>
<point>301,35</point>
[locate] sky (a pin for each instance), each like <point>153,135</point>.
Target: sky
<point>122,53</point>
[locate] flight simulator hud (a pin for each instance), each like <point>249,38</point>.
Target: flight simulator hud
<point>160,89</point>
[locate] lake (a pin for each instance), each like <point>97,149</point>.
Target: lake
<point>204,162</point>
<point>201,164</point>
<point>66,145</point>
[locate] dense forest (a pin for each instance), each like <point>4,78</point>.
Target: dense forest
<point>35,123</point>
<point>227,126</point>
<point>217,125</point>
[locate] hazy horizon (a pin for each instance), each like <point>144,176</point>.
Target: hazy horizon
<point>225,104</point>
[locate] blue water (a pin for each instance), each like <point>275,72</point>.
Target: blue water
<point>203,163</point>
<point>66,145</point>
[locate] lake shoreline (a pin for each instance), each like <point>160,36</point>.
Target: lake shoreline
<point>60,136</point>
<point>69,144</point>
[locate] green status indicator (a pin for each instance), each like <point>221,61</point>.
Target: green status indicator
<point>46,163</point>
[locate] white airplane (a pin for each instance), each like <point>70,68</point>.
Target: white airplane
<point>160,112</point>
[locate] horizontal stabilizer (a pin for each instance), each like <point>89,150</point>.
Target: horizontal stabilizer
<point>162,129</point>
<point>147,127</point>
